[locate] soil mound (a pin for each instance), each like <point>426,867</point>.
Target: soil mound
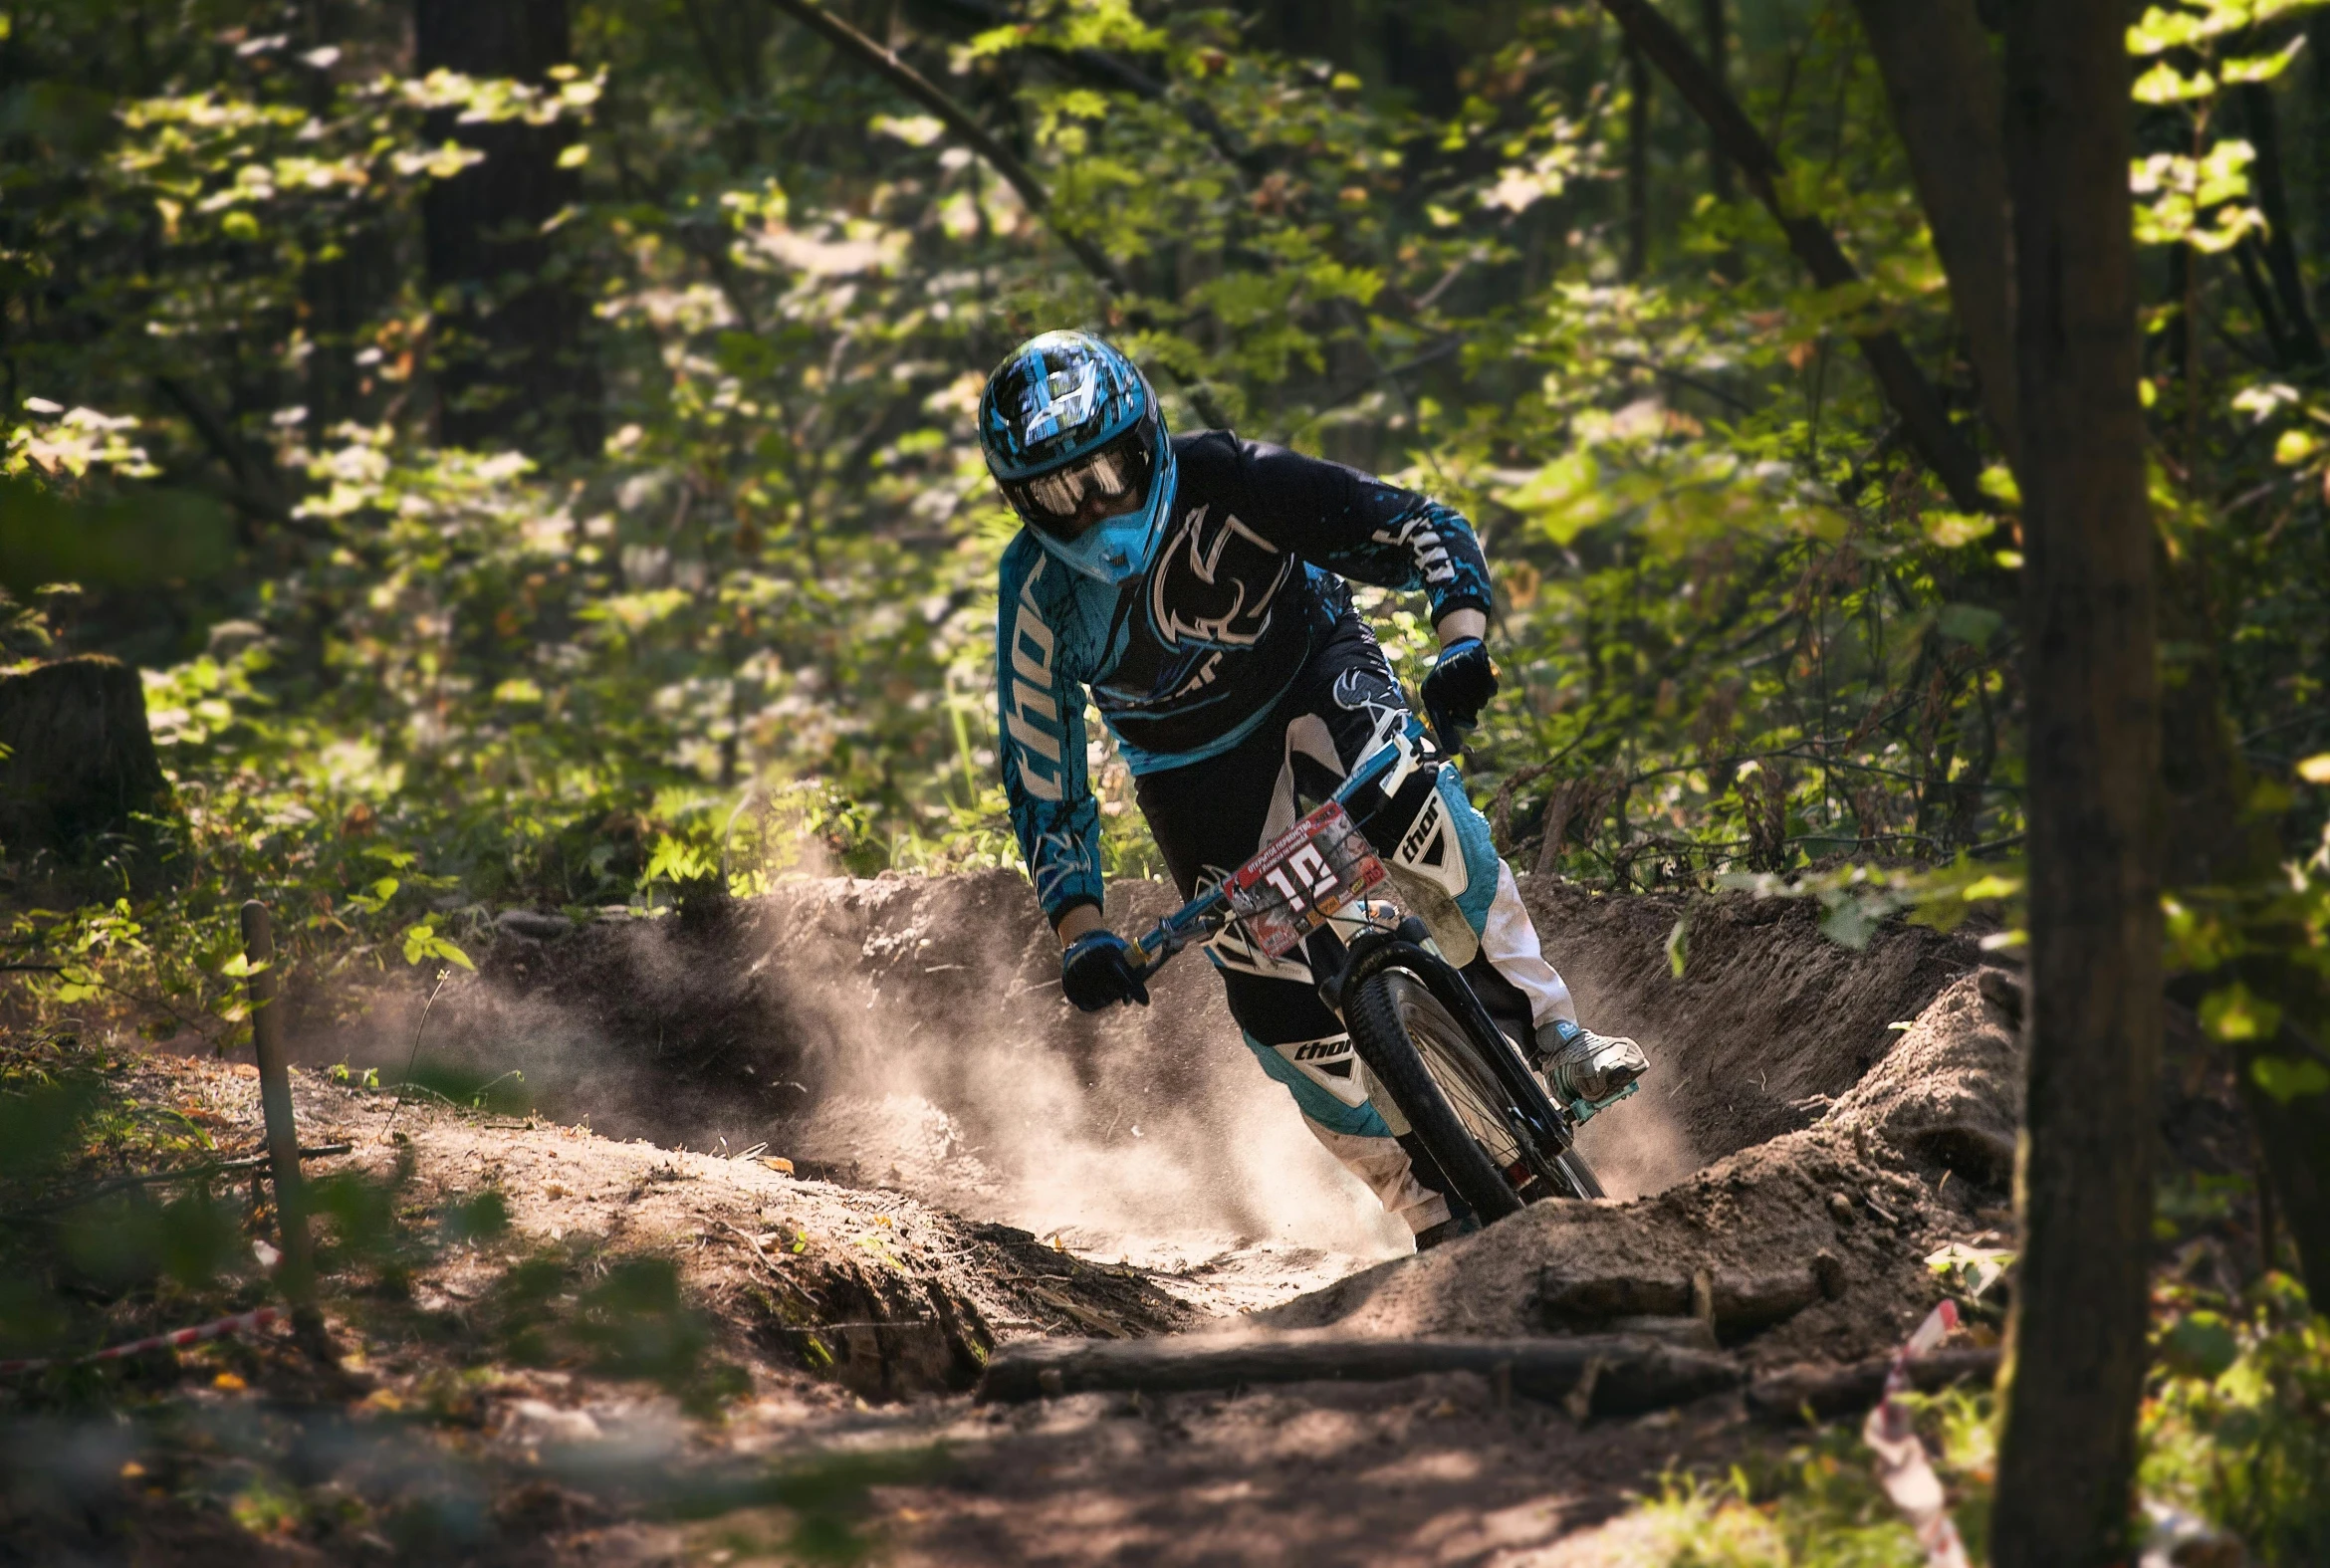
<point>905,1033</point>
<point>908,1033</point>
<point>910,1028</point>
<point>1804,1247</point>
<point>870,1289</point>
<point>1768,1023</point>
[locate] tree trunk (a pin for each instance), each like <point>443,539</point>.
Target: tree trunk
<point>1638,122</point>
<point>513,363</point>
<point>2077,1345</point>
<point>1923,420</point>
<point>2293,1137</point>
<point>1719,62</point>
<point>1606,1374</point>
<point>1941,84</point>
<point>78,759</point>
<point>2305,340</point>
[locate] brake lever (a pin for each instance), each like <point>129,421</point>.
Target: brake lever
<point>1449,752</point>
<point>1168,937</point>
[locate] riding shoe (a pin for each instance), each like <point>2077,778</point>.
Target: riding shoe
<point>1579,1064</point>
<point>1446,1230</point>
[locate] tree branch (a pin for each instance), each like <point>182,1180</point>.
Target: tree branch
<point>1905,387</point>
<point>1033,192</point>
<point>1106,70</point>
<point>1943,87</point>
<point>886,63</point>
<point>256,489</point>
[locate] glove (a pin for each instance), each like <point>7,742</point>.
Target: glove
<point>1097,971</point>
<point>1459,687</point>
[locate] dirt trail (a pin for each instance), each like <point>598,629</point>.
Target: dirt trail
<point>908,1032</point>
<point>557,1467</point>
<point>976,1163</point>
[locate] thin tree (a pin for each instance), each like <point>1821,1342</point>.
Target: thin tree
<point>1638,131</point>
<point>2077,1347</point>
<point>512,333</point>
<point>1719,63</point>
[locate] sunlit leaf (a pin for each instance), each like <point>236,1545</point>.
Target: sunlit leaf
<point>2234,1013</point>
<point>2286,1079</point>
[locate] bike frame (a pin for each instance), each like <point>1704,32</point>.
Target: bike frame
<point>1387,766</point>
<point>1344,964</point>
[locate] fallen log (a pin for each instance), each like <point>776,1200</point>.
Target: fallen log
<point>1827,1391</point>
<point>1621,1373</point>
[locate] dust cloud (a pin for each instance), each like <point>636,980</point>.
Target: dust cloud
<point>1163,1143</point>
<point>897,1033</point>
<point>1639,1147</point>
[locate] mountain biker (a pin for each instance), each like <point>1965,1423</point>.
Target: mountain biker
<point>1194,586</point>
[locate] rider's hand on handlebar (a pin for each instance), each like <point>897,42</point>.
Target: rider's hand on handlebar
<point>1100,970</point>
<point>1459,687</point>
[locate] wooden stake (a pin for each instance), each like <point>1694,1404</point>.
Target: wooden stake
<point>297,1274</point>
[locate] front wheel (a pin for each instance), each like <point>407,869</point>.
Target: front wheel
<point>1452,1096</point>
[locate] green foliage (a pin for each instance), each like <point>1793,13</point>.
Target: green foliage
<point>2237,1428</point>
<point>827,1495</point>
<point>623,1316</point>
<point>74,1259</point>
<point>748,635</point>
<point>1820,1507</point>
<point>450,1083</point>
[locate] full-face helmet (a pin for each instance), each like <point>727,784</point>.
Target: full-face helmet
<point>1073,436</point>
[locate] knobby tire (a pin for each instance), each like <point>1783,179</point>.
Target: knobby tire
<point>1423,1057</point>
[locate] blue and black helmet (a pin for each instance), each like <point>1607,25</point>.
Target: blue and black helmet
<point>1073,435</point>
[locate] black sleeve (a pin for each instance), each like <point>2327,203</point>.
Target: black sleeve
<point>1356,524</point>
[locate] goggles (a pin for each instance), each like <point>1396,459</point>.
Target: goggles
<point>1060,501</point>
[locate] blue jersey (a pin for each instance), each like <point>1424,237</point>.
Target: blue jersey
<point>1186,659</point>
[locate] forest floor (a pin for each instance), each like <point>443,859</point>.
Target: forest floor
<point>662,1354</point>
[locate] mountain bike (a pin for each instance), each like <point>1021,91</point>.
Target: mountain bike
<point>1443,1046</point>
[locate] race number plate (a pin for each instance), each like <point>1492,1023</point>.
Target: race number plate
<point>1301,878</point>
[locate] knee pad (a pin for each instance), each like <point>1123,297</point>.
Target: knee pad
<point>1327,1081</point>
<point>1446,866</point>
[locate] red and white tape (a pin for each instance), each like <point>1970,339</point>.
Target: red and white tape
<point>217,1328</point>
<point>1902,1468</point>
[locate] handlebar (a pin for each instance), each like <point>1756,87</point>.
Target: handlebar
<point>1387,766</point>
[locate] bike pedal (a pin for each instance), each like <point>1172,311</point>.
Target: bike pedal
<point>1582,1111</point>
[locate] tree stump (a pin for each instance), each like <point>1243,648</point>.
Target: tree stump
<point>80,758</point>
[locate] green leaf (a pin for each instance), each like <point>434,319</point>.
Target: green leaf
<point>1679,944</point>
<point>422,942</point>
<point>2288,1077</point>
<point>2234,1013</point>
<point>678,860</point>
<point>2164,84</point>
<point>1949,530</point>
<point>2200,1345</point>
<point>1968,623</point>
<point>2262,68</point>
<point>1850,925</point>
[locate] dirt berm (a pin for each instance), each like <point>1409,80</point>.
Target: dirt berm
<point>1816,1120</point>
